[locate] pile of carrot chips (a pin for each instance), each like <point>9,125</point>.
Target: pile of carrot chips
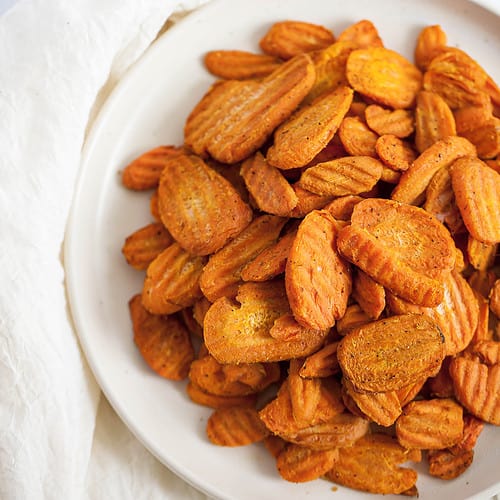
<point>322,261</point>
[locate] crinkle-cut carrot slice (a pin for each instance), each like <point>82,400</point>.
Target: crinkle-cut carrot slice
<point>154,206</point>
<point>235,118</point>
<point>271,192</point>
<point>477,387</point>
<point>322,363</point>
<point>201,397</point>
<point>372,465</point>
<point>483,330</point>
<point>342,176</point>
<point>221,275</point>
<point>231,379</point>
<point>172,281</point>
<point>317,279</point>
<point>383,408</point>
<point>486,138</point>
<point>163,341</point>
<point>397,122</point>
<point>457,315</point>
<point>357,138</point>
<point>494,298</point>
<point>278,414</point>
<point>341,431</point>
<point>235,426</point>
<point>369,294</point>
<point>330,66</point>
<point>394,152</point>
<point>434,120</point>
<point>305,394</point>
<point>384,76</point>
<point>363,33</point>
<point>144,171</point>
<point>440,202</point>
<point>286,39</point>
<point>307,201</point>
<point>354,316</point>
<point>240,64</point>
<point>441,385</point>
<point>391,353</point>
<point>414,236</point>
<point>238,331</point>
<point>409,392</point>
<point>271,262</point>
<point>413,183</point>
<point>488,351</point>
<point>482,281</point>
<point>199,207</point>
<point>457,78</point>
<point>481,255</point>
<point>145,244</point>
<point>318,121</point>
<point>367,252</point>
<point>299,465</point>
<point>430,424</point>
<point>341,208</point>
<point>430,42</point>
<point>447,465</point>
<point>477,194</point>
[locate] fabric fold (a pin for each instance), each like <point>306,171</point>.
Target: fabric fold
<point>56,57</point>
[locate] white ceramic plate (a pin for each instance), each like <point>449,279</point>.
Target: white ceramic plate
<point>149,108</point>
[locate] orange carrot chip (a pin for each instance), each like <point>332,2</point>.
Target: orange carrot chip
<point>163,341</point>
<point>318,281</point>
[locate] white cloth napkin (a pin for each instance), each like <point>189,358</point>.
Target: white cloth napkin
<point>59,439</point>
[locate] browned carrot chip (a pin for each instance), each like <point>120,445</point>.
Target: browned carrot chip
<point>391,353</point>
<point>200,208</point>
<point>494,296</point>
<point>286,39</point>
<point>430,42</point>
<point>477,194</point>
<point>384,76</point>
<point>144,172</point>
<point>411,188</point>
<point>317,121</point>
<point>372,464</point>
<point>271,192</point>
<point>221,275</point>
<point>477,387</point>
<point>431,424</point>
<point>357,138</point>
<point>318,281</point>
<point>271,262</point>
<point>372,243</point>
<point>395,153</point>
<point>172,281</point>
<point>235,118</point>
<point>369,294</point>
<point>322,363</point>
<point>363,33</point>
<point>163,341</point>
<point>201,397</point>
<point>396,122</point>
<point>343,176</point>
<point>383,408</point>
<point>434,120</point>
<point>239,64</point>
<point>298,464</point>
<point>235,426</point>
<point>239,332</point>
<point>145,244</point>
